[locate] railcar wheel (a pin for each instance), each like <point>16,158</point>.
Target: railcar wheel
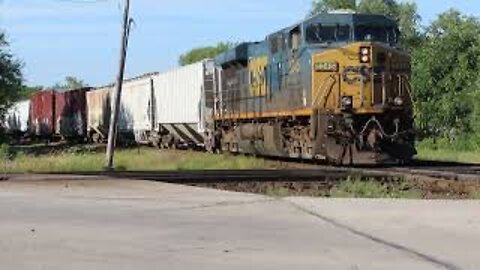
<point>96,138</point>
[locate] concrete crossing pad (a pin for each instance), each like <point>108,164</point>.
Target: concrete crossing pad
<point>118,224</point>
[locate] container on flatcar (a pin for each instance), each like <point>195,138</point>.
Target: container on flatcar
<point>98,113</point>
<point>16,119</point>
<point>181,111</point>
<point>70,113</point>
<point>42,114</point>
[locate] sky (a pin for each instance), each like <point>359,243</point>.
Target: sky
<point>58,38</point>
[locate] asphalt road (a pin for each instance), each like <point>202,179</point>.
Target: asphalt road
<point>143,225</point>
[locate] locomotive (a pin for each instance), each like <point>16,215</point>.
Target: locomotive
<point>333,87</point>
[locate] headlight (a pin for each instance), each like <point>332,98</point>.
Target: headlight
<point>398,101</point>
<point>365,55</point>
<point>347,102</point>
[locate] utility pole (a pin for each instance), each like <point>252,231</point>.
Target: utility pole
<point>118,87</point>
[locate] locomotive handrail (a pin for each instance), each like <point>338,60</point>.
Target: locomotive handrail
<point>382,76</point>
<point>408,88</point>
<point>362,91</point>
<point>326,92</point>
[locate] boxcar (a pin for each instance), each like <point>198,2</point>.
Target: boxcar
<point>16,119</point>
<point>180,96</point>
<point>70,113</point>
<point>42,114</point>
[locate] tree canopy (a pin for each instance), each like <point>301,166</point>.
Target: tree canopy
<point>199,54</point>
<point>405,13</point>
<point>446,76</point>
<point>27,91</point>
<point>322,6</point>
<point>10,76</point>
<point>70,83</point>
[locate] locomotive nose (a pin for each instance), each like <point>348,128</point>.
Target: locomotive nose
<point>390,77</point>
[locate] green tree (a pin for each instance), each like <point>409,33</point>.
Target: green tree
<point>27,91</point>
<point>199,54</point>
<point>10,76</point>
<point>70,83</point>
<point>322,6</point>
<point>404,13</point>
<point>446,76</point>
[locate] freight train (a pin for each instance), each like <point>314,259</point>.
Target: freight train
<point>332,87</point>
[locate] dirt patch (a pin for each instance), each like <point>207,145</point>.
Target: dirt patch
<point>448,189</point>
<point>358,188</point>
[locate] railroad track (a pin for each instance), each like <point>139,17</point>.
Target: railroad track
<point>425,180</point>
<point>295,171</point>
<point>308,173</point>
<point>321,173</point>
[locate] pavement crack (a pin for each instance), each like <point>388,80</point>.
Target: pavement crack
<point>223,204</point>
<point>425,257</point>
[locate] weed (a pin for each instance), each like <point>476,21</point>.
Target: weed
<point>370,188</point>
<point>279,192</point>
<point>5,157</point>
<point>443,151</point>
<point>475,195</point>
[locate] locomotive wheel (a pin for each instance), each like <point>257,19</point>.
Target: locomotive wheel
<point>339,154</point>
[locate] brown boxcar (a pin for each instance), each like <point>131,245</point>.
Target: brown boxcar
<point>42,114</point>
<point>70,113</point>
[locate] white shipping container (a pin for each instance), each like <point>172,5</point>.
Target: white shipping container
<point>179,95</point>
<point>17,116</point>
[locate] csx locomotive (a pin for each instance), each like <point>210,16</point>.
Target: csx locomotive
<point>333,87</point>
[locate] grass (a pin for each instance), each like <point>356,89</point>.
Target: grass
<point>475,195</point>
<point>443,150</point>
<point>370,188</point>
<point>278,192</point>
<point>448,155</point>
<point>142,159</point>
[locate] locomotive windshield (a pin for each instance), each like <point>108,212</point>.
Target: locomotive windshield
<point>318,33</point>
<point>376,33</point>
